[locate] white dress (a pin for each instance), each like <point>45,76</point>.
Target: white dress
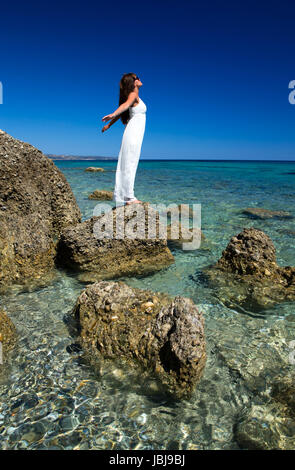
<point>129,153</point>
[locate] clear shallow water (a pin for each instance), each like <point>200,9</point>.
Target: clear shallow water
<point>51,398</point>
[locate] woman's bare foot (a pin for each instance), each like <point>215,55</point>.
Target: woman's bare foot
<point>134,201</point>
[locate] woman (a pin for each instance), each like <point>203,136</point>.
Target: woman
<point>132,112</point>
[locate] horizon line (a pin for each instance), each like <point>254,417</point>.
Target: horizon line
<point>97,158</point>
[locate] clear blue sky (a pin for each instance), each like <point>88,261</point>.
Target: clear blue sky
<point>215,75</point>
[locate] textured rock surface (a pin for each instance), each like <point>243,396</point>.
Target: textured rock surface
<point>163,335</point>
<point>247,273</point>
<point>94,169</point>
<point>250,252</point>
<point>101,195</point>
<point>36,203</point>
<point>259,213</point>
<point>80,250</point>
<point>7,333</point>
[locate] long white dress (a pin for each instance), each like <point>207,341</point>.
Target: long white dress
<point>129,154</point>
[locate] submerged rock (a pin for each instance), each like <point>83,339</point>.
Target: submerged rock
<point>101,195</point>
<point>266,427</point>
<point>247,273</point>
<point>256,353</point>
<point>286,231</point>
<point>163,335</point>
<point>260,213</point>
<point>177,236</point>
<point>36,203</point>
<point>7,333</point>
<point>94,169</point>
<point>132,253</point>
<point>283,390</point>
<point>258,431</point>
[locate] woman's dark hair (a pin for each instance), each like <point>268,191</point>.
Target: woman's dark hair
<point>126,86</point>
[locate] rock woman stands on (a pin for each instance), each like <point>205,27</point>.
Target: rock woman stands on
<point>132,112</point>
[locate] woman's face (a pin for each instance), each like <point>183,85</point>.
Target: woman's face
<point>138,82</point>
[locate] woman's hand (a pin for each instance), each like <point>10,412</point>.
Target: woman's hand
<point>107,118</point>
<point>105,128</point>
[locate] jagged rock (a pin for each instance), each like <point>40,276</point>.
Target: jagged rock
<point>101,195</point>
<point>7,333</point>
<point>36,203</point>
<point>259,213</point>
<point>247,273</point>
<point>107,258</point>
<point>250,252</point>
<point>163,335</point>
<point>94,169</point>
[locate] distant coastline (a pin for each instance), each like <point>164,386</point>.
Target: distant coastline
<point>77,157</point>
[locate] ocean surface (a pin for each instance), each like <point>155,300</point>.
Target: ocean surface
<point>50,398</point>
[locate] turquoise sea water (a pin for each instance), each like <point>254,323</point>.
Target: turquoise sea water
<point>51,398</point>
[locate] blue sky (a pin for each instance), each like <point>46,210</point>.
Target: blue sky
<point>215,76</point>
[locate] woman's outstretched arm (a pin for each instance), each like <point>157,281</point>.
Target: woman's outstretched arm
<point>122,108</point>
<point>107,126</point>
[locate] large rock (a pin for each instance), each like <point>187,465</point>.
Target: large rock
<point>7,334</point>
<point>36,203</point>
<point>79,248</point>
<point>163,335</point>
<point>247,273</point>
<point>250,252</point>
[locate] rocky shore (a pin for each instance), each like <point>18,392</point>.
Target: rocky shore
<point>36,203</point>
<point>159,336</point>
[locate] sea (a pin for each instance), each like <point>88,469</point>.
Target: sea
<point>52,398</point>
